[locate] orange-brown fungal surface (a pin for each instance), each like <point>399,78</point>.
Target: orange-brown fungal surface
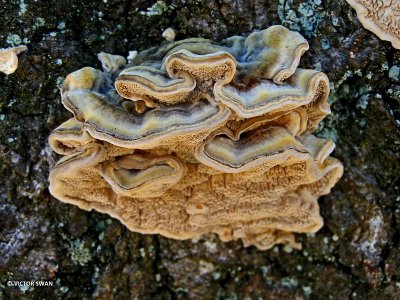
<point>382,17</point>
<point>198,137</point>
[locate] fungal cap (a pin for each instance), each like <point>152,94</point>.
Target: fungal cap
<point>87,78</point>
<point>68,137</point>
<point>184,71</point>
<point>111,63</point>
<point>380,17</point>
<point>9,59</point>
<point>169,34</point>
<point>267,98</point>
<point>272,54</point>
<point>145,83</point>
<point>145,131</point>
<point>143,176</point>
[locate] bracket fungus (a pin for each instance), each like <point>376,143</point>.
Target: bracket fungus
<point>382,17</point>
<point>9,59</point>
<point>198,137</point>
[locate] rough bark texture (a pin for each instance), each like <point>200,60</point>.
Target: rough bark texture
<point>89,255</point>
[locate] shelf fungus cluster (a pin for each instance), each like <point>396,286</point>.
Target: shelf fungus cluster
<point>382,17</point>
<point>197,137</point>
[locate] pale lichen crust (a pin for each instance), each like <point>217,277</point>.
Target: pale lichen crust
<point>382,17</point>
<point>200,137</point>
